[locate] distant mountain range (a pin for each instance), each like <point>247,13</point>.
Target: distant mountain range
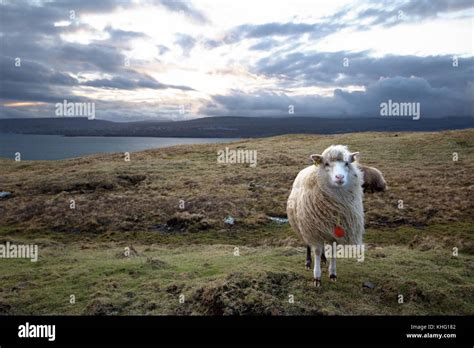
<point>227,127</point>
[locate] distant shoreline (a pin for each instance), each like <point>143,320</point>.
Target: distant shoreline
<point>228,127</point>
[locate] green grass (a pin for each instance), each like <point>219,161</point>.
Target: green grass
<point>215,281</point>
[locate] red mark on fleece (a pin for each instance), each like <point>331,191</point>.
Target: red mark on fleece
<point>338,231</point>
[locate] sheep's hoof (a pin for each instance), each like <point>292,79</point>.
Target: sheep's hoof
<point>333,277</point>
<point>317,282</point>
<point>308,264</point>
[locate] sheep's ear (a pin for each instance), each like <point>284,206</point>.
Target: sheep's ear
<point>316,158</point>
<point>353,156</point>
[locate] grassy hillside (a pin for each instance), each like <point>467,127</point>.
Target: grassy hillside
<point>191,252</point>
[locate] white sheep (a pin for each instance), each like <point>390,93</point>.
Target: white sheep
<point>325,204</point>
<point>373,182</point>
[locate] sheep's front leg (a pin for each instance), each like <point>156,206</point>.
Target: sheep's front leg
<point>332,268</point>
<point>309,259</point>
<point>318,250</point>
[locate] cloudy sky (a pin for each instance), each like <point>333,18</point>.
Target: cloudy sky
<point>165,59</point>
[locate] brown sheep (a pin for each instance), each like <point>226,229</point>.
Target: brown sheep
<point>373,179</point>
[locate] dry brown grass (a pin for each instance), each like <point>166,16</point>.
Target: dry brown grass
<point>144,194</point>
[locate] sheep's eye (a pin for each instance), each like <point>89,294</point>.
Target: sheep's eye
<point>347,164</point>
<point>326,164</point>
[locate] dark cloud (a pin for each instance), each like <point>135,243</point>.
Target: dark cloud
<point>441,88</point>
<point>276,29</point>
<point>264,45</point>
<point>434,102</point>
<point>17,16</point>
<point>162,49</point>
<point>394,12</point>
<point>32,81</point>
<point>186,42</point>
<point>87,6</point>
<point>328,69</point>
<point>118,35</point>
<point>258,31</point>
<point>92,57</point>
<point>33,72</point>
<point>132,82</point>
<point>184,7</point>
<point>264,103</point>
<point>29,33</point>
<point>211,43</point>
<point>49,65</point>
<point>106,6</point>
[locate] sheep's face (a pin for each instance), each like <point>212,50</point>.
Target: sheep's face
<point>336,165</point>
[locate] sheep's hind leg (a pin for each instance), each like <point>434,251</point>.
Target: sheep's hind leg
<point>332,269</point>
<point>317,265</point>
<point>308,257</point>
<point>309,260</point>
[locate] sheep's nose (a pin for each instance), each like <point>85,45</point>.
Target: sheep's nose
<point>339,176</point>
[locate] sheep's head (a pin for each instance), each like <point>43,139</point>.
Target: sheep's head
<point>336,166</point>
